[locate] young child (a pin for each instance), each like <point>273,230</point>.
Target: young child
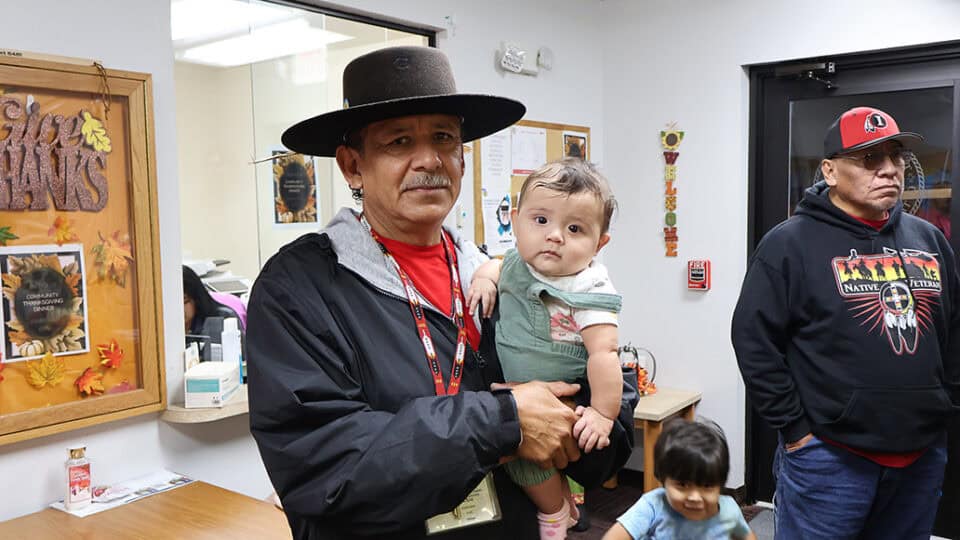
<point>558,313</point>
<point>692,462</point>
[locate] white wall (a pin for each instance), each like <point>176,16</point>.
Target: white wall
<point>681,61</point>
<point>130,35</point>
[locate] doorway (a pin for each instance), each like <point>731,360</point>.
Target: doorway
<point>791,107</point>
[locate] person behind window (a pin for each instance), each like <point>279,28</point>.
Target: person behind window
<point>198,305</point>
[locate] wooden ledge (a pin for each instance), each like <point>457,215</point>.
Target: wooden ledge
<point>235,406</point>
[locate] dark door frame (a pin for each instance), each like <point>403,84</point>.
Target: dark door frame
<point>761,77</point>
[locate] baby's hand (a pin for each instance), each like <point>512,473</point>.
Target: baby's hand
<point>592,429</point>
<point>485,290</point>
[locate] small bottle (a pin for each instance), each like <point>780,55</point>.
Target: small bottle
<point>79,492</point>
<point>230,340</point>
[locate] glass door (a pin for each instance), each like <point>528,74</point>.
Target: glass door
<point>791,108</point>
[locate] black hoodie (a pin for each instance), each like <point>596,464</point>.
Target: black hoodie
<point>851,333</point>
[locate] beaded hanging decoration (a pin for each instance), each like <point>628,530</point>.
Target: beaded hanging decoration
<point>670,139</point>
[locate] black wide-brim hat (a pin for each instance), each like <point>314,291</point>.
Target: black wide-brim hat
<point>394,82</point>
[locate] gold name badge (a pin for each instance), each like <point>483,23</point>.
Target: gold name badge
<point>480,506</point>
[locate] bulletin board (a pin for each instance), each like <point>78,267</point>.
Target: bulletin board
<point>502,162</point>
<point>80,323</point>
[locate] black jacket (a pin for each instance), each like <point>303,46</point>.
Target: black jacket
<point>850,332</point>
<point>342,402</point>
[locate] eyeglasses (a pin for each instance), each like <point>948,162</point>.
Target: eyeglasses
<point>875,159</point>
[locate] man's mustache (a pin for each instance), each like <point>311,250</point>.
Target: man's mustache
<point>426,181</point>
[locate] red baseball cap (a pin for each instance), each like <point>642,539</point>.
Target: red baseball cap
<point>862,127</point>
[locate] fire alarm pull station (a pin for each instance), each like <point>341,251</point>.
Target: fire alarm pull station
<point>698,275</point>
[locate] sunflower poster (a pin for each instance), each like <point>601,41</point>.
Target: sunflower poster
<point>294,189</point>
<point>43,301</point>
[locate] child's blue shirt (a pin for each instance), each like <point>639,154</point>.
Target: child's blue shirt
<point>652,518</point>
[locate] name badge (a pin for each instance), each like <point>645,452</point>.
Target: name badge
<point>480,506</point>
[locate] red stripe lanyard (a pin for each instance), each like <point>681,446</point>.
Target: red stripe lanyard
<point>417,310</point>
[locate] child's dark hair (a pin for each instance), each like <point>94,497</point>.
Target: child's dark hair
<point>572,176</point>
<point>692,452</point>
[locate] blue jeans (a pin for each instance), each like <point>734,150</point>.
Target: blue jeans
<point>827,492</point>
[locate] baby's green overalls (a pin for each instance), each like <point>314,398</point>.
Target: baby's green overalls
<point>526,350</point>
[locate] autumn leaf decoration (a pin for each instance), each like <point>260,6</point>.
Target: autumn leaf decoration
<point>89,382</point>
<point>6,235</point>
<point>62,231</point>
<point>48,371</point>
<point>2,365</point>
<point>112,257</point>
<point>94,134</point>
<point>111,355</point>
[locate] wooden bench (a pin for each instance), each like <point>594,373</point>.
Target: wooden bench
<point>649,415</point>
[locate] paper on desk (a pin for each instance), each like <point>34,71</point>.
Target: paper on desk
<point>107,497</point>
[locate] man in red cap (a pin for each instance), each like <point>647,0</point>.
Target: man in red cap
<point>847,333</point>
<point>370,387</point>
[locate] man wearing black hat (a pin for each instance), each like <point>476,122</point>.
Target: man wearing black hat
<point>847,333</point>
<point>370,388</point>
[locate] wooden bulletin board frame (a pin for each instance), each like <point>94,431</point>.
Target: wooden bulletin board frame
<point>106,212</point>
<point>556,148</point>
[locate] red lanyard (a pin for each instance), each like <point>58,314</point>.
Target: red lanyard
<point>415,308</point>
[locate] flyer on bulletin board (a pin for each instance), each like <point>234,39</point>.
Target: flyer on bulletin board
<point>44,308</point>
<point>528,149</point>
<point>575,145</point>
<point>495,194</point>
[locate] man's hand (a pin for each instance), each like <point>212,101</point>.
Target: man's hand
<point>592,429</point>
<point>798,444</point>
<point>482,290</point>
<point>546,423</point>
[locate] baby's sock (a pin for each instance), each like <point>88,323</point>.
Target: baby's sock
<point>554,526</point>
<point>571,500</point>
<point>574,512</point>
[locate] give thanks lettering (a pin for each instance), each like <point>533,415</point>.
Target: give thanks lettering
<point>51,158</point>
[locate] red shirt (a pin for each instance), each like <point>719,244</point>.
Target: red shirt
<point>875,223</point>
<point>428,269</point>
<point>885,459</point>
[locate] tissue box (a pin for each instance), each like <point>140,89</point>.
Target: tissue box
<point>210,384</point>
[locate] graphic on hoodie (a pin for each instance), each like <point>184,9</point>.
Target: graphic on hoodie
<point>895,294</point>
